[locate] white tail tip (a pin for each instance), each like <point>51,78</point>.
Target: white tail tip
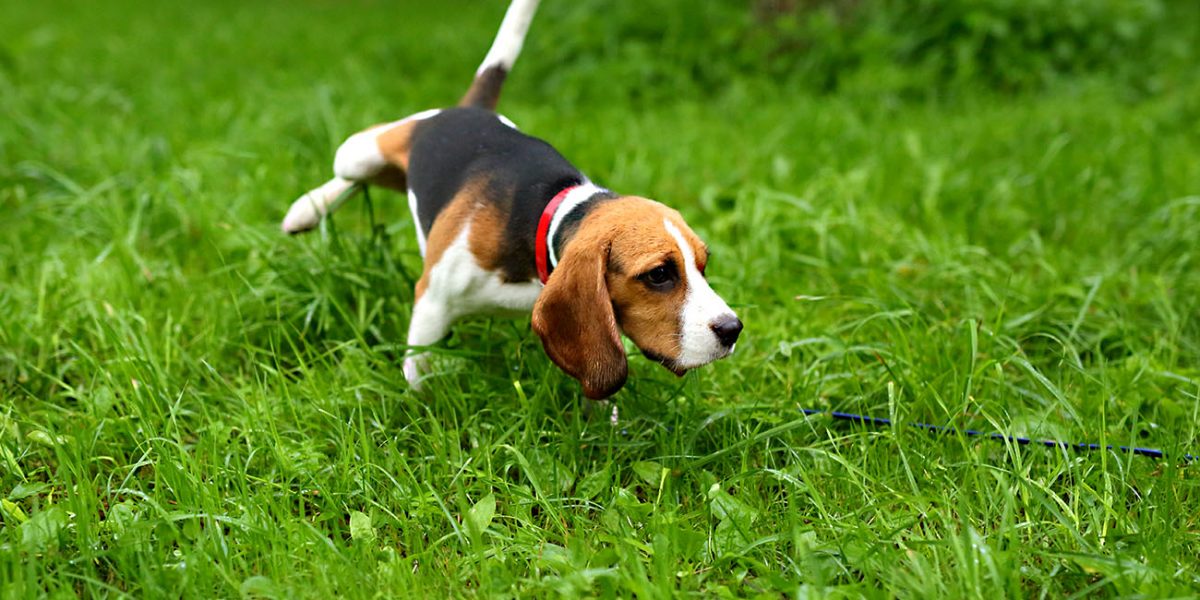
<point>509,39</point>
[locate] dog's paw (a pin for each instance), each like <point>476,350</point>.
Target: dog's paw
<point>308,210</point>
<point>415,368</point>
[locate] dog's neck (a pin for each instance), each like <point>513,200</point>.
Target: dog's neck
<point>561,220</point>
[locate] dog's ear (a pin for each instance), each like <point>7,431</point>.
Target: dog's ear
<point>574,317</point>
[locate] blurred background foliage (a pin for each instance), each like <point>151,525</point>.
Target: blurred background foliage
<point>651,47</point>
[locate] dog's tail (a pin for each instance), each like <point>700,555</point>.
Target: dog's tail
<point>489,78</point>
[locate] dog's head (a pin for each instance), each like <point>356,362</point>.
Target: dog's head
<point>633,266</point>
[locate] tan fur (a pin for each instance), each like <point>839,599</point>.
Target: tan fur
<point>486,238</point>
<point>392,178</point>
<point>396,143</point>
<point>485,89</point>
<point>445,229</point>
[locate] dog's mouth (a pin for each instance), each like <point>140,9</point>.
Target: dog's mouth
<point>669,363</point>
<point>674,365</point>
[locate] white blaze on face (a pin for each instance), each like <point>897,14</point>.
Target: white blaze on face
<point>701,308</point>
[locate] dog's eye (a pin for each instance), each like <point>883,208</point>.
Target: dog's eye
<point>661,278</point>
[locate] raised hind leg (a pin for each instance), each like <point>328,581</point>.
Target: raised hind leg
<point>378,155</point>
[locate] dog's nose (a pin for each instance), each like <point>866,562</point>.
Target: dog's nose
<point>727,328</point>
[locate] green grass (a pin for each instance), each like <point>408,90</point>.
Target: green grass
<point>196,405</point>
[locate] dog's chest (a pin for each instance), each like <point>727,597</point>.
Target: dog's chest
<point>466,288</point>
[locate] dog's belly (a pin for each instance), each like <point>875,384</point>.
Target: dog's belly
<point>492,297</point>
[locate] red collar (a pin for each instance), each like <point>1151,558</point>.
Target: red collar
<point>541,250</point>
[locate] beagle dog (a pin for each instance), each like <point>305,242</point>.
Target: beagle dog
<point>505,225</point>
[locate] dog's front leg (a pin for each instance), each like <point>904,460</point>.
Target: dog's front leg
<point>431,320</point>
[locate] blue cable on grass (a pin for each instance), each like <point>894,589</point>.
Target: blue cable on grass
<point>881,422</point>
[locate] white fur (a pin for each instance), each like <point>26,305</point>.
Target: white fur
<point>578,195</point>
<point>308,209</point>
<point>359,157</point>
<point>459,281</point>
<point>421,116</point>
<point>506,121</point>
<point>459,287</point>
<point>507,45</point>
<point>412,207</point>
<point>701,308</point>
<point>430,323</point>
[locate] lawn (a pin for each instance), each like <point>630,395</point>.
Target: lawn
<point>195,405</point>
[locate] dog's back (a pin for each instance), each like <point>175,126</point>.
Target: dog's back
<point>472,146</point>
